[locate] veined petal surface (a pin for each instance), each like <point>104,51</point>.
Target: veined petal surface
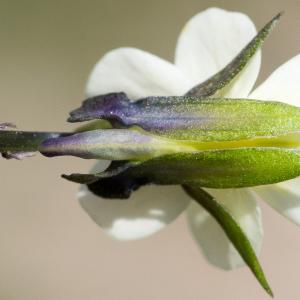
<point>283,197</point>
<point>282,85</point>
<point>137,73</point>
<point>146,212</point>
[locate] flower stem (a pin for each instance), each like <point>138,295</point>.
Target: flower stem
<point>24,141</point>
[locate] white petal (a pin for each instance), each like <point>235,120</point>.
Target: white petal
<point>284,197</point>
<point>210,40</point>
<point>282,85</point>
<point>147,211</point>
<point>209,235</point>
<point>137,73</point>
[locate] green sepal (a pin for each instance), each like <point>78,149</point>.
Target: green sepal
<point>219,81</point>
<point>193,119</point>
<point>232,168</point>
<point>232,229</point>
<point>112,144</point>
<point>217,120</point>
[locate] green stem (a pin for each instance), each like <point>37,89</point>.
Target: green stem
<point>24,141</point>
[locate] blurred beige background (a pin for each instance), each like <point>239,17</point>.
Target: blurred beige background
<point>50,249</point>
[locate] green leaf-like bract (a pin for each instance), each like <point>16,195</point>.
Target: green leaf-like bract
<point>223,78</point>
<point>210,120</point>
<point>231,168</point>
<point>192,118</point>
<point>232,230</point>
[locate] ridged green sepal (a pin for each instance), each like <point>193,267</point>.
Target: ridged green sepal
<point>233,168</point>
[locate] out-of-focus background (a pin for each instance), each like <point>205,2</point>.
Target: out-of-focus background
<point>50,249</point>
